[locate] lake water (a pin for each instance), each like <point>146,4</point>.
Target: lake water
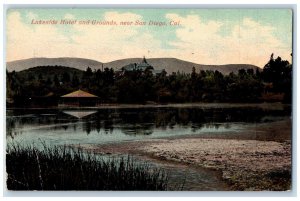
<point>58,127</point>
<point>111,125</point>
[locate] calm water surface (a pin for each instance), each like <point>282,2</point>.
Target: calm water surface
<point>102,126</point>
<point>59,127</point>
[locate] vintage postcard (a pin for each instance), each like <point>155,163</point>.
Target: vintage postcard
<point>149,99</point>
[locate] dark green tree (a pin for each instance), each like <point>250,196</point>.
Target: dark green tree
<point>75,81</point>
<point>279,73</point>
<point>65,77</point>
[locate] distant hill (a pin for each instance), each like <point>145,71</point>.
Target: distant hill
<point>78,63</point>
<point>169,64</point>
<point>174,65</point>
<point>49,72</point>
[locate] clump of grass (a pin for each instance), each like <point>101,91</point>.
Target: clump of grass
<point>64,168</point>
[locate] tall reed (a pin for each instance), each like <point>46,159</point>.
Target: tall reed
<point>64,168</point>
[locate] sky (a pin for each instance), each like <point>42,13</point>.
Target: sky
<point>204,36</point>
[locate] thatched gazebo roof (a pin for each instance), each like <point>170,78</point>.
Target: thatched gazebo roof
<point>79,94</point>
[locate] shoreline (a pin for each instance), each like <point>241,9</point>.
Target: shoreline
<point>249,165</point>
<point>246,162</point>
<point>263,105</point>
<point>242,169</point>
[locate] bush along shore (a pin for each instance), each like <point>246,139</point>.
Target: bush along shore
<point>64,168</point>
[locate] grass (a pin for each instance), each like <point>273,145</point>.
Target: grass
<point>64,168</point>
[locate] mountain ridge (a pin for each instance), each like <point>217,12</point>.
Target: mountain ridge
<point>169,64</point>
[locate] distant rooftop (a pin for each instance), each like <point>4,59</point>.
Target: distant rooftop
<point>144,65</point>
<point>79,94</point>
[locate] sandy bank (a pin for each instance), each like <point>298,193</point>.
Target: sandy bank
<point>246,164</point>
<point>256,158</point>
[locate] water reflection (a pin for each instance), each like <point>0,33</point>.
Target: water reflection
<point>135,121</point>
<point>79,113</point>
<point>59,127</point>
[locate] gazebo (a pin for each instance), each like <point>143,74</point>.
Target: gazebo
<point>79,98</point>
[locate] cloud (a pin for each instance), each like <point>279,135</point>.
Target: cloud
<point>31,15</point>
<point>103,43</point>
<point>69,16</point>
<point>196,40</point>
<point>24,41</point>
<point>107,43</point>
<point>248,42</point>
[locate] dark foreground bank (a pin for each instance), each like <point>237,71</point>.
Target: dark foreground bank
<point>62,168</point>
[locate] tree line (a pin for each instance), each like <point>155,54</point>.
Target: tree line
<point>144,87</point>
